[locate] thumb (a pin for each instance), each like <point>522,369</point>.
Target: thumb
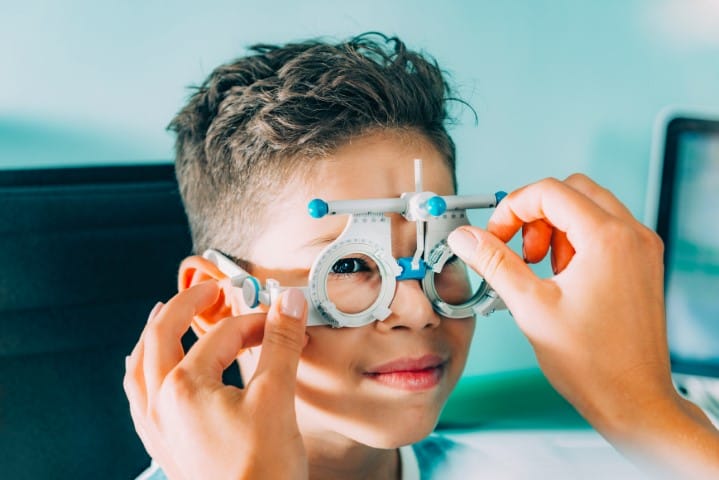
<point>284,338</point>
<point>492,259</point>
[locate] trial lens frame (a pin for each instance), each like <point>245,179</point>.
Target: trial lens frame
<point>368,232</point>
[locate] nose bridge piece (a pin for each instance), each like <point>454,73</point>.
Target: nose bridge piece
<point>411,270</point>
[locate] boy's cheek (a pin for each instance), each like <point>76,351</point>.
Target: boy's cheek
<point>460,332</point>
<point>462,328</point>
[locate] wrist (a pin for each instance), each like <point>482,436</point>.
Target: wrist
<point>668,436</point>
<point>631,405</point>
<point>633,422</point>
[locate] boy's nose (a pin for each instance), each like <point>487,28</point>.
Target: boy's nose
<point>411,309</point>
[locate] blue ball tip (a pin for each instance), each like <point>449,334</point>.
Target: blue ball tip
<point>317,208</point>
<point>436,206</point>
<point>499,196</point>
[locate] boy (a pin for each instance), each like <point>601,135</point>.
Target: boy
<point>259,139</point>
<point>256,143</point>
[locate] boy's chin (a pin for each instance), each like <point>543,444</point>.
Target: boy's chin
<point>398,435</point>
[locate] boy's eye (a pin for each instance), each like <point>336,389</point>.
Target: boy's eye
<point>349,265</point>
<point>451,260</point>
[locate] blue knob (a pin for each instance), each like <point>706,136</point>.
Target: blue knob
<point>499,196</point>
<point>251,292</point>
<point>317,208</point>
<point>436,206</point>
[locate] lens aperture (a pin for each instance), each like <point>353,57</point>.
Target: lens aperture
<point>452,282</point>
<point>353,283</point>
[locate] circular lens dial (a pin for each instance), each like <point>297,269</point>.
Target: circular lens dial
<point>448,284</point>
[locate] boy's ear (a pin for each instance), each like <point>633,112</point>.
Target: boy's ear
<point>197,269</point>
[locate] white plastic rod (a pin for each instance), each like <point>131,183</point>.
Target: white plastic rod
<point>374,205</point>
<point>465,202</point>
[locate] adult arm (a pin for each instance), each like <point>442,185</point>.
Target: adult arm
<point>597,325</point>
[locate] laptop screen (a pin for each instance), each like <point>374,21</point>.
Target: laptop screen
<point>688,222</point>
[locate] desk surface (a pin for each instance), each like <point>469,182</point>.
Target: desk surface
<point>509,400</point>
<point>542,453</point>
<point>517,420</point>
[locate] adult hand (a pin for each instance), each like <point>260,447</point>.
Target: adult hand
<point>192,424</point>
<point>597,325</point>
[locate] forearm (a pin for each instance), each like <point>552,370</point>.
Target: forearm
<point>671,439</point>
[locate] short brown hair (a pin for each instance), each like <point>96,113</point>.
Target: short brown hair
<point>256,120</point>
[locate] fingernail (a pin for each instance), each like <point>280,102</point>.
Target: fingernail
<point>462,243</point>
<point>524,254</point>
<point>293,303</point>
<point>155,310</point>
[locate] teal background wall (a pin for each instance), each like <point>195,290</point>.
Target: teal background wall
<point>559,85</point>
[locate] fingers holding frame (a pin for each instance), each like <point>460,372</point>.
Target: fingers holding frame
<point>566,215</point>
<point>562,251</point>
<point>599,195</point>
<point>551,201</point>
<point>162,337</point>
<point>283,342</point>
<point>536,239</point>
<point>134,379</point>
<point>216,350</point>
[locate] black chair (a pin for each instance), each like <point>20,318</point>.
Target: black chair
<point>84,255</point>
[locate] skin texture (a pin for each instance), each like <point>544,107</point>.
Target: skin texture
<point>347,425</point>
<point>597,325</point>
<point>181,409</point>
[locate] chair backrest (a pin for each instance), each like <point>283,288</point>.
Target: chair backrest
<point>84,255</point>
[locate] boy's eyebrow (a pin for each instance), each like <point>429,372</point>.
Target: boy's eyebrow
<point>321,240</point>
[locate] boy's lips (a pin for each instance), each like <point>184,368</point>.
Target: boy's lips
<point>412,374</point>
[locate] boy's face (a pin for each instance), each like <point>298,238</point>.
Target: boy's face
<point>367,384</point>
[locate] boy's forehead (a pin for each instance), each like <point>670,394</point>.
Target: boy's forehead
<point>379,165</point>
<point>374,166</point>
